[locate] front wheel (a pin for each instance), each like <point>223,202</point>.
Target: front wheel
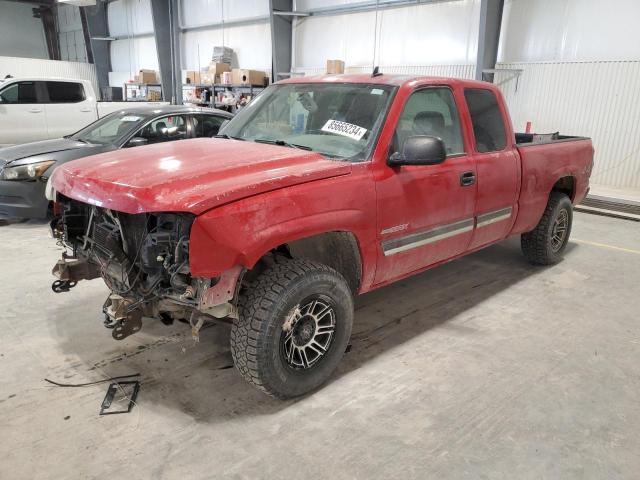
<point>545,244</point>
<point>294,325</point>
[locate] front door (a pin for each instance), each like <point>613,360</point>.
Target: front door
<point>22,117</point>
<point>426,213</point>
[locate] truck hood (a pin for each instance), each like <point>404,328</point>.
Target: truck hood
<point>27,150</point>
<point>189,175</point>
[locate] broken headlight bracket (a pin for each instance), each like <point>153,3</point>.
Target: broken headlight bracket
<point>132,386</point>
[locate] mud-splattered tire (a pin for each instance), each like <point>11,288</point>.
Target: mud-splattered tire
<point>545,244</point>
<point>291,307</point>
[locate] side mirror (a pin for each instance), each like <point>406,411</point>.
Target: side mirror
<point>419,150</point>
<point>137,142</point>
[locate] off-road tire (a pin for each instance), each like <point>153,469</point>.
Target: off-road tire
<point>537,245</point>
<point>263,308</point>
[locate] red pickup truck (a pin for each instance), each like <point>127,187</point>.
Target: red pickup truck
<point>320,189</point>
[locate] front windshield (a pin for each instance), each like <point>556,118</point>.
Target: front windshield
<point>109,129</point>
<point>337,120</point>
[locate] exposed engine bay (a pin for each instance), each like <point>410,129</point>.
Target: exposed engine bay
<point>144,260</point>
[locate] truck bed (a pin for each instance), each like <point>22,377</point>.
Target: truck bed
<point>544,160</point>
<point>528,139</point>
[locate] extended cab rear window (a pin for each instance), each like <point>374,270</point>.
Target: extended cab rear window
<point>65,92</point>
<point>488,125</point>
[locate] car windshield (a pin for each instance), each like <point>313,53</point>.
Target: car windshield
<point>109,129</point>
<point>337,120</point>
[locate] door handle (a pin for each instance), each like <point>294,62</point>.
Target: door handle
<point>85,110</point>
<point>35,110</point>
<point>467,179</point>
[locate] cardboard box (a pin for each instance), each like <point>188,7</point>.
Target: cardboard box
<point>147,76</point>
<point>226,78</point>
<point>240,76</point>
<point>207,79</point>
<point>218,68</point>
<point>194,78</point>
<point>335,66</point>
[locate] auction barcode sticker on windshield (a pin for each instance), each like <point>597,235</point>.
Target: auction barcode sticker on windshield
<point>345,129</point>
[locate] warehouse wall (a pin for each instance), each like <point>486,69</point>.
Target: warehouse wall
<point>568,30</point>
<point>251,42</point>
<point>580,62</point>
<point>131,19</point>
<point>21,35</point>
<point>441,33</point>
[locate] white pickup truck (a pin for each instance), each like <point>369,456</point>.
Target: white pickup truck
<point>42,108</point>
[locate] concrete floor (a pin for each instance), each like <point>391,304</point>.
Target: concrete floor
<point>484,368</point>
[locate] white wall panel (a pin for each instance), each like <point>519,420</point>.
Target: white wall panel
<point>32,67</point>
<point>567,30</point>
<point>433,33</point>
<point>133,55</point>
<point>600,100</point>
<point>199,12</point>
<point>303,5</point>
<point>21,35</point>
<point>251,45</point>
<point>129,17</point>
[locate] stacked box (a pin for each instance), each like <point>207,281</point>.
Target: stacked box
<point>222,55</point>
<point>147,76</point>
<point>335,66</point>
<point>240,76</point>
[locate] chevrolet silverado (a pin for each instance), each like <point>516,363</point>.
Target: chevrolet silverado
<point>321,189</point>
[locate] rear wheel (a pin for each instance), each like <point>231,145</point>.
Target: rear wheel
<point>294,325</point>
<point>545,244</point>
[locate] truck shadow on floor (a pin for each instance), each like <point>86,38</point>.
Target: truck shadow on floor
<point>198,379</point>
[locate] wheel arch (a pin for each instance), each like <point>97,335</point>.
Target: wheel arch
<point>565,184</point>
<point>338,249</point>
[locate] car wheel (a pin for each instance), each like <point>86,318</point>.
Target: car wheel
<point>545,244</point>
<point>294,326</point>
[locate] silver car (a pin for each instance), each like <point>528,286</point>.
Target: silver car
<point>24,169</point>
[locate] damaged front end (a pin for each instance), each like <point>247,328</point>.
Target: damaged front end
<point>144,260</point>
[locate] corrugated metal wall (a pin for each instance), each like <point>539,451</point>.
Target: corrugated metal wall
<point>596,99</point>
<point>33,67</point>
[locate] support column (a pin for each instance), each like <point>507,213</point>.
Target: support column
<point>281,36</point>
<point>96,29</point>
<point>166,27</point>
<point>488,37</point>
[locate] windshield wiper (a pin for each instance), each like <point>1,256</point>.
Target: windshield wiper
<point>228,137</point>
<point>282,143</point>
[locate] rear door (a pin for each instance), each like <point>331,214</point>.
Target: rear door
<point>497,166</point>
<point>68,108</point>
<point>426,212</point>
<point>22,117</point>
<point>206,125</point>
